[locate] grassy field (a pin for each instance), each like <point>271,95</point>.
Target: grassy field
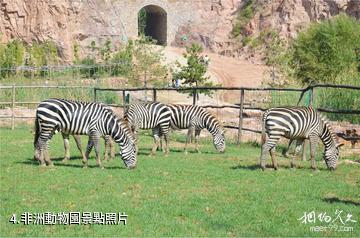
<point>207,194</point>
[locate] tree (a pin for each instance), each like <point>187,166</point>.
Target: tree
<point>123,60</point>
<point>327,52</point>
<point>11,55</point>
<point>147,64</point>
<point>193,73</point>
<point>105,51</point>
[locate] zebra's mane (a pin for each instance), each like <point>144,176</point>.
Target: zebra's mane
<point>326,124</point>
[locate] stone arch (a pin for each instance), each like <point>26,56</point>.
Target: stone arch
<point>156,23</point>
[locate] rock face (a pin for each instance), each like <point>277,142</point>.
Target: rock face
<point>210,22</point>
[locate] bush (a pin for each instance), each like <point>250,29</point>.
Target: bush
<point>245,14</point>
<point>328,52</point>
<point>91,68</point>
<point>11,55</point>
<point>123,60</point>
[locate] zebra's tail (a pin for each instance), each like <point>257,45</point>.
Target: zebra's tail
<point>263,130</point>
<point>37,131</point>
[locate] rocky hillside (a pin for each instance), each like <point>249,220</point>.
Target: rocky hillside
<point>211,22</point>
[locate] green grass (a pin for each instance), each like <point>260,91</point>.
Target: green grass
<point>206,194</point>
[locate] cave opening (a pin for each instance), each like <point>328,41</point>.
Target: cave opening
<point>152,22</point>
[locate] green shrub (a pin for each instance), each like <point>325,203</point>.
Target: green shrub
<point>328,52</point>
<point>89,67</point>
<point>245,14</point>
<point>11,55</point>
<point>123,60</point>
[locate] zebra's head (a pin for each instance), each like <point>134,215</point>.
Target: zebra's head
<point>331,156</point>
<point>128,146</point>
<point>219,140</point>
<point>128,155</point>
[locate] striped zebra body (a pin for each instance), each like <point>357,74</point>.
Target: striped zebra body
<point>81,118</point>
<point>196,118</point>
<point>298,123</point>
<point>155,116</point>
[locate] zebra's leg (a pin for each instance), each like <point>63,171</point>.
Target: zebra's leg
<point>88,150</point>
<point>299,144</point>
<point>39,151</point>
<point>303,154</point>
<point>273,158</point>
<point>79,146</point>
<point>95,137</point>
<point>313,140</point>
<point>285,152</point>
<point>106,150</point>
<point>188,138</point>
<point>197,135</point>
<point>166,138</point>
<point>66,147</point>
<point>267,146</point>
<point>136,136</point>
<point>156,144</point>
<point>112,148</point>
<point>46,154</point>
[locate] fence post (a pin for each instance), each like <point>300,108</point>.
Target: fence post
<point>242,92</point>
<point>95,96</point>
<point>13,107</point>
<point>305,143</point>
<point>312,91</point>
<point>194,96</point>
<point>124,100</point>
<point>154,95</point>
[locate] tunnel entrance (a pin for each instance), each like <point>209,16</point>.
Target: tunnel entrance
<point>152,21</point>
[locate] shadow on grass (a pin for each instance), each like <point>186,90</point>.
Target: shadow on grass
<point>269,167</point>
<point>338,200</point>
<point>247,167</point>
<point>56,164</point>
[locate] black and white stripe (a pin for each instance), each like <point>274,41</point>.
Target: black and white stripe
<point>81,118</point>
<point>196,118</point>
<point>152,115</point>
<point>298,123</point>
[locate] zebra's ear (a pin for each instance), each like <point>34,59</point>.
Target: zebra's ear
<point>339,145</point>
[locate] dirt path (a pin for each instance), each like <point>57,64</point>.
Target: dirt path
<point>227,71</point>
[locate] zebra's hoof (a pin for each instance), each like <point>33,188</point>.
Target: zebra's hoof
<point>43,165</point>
<point>65,160</point>
<point>85,167</point>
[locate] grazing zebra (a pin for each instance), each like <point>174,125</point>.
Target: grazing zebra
<point>108,145</point>
<point>298,123</point>
<point>152,115</point>
<point>80,118</point>
<point>197,118</point>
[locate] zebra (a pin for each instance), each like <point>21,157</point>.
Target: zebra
<point>298,123</point>
<point>196,118</point>
<point>108,146</point>
<point>73,117</point>
<point>153,115</point>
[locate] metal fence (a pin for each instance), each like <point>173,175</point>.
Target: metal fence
<point>304,96</point>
